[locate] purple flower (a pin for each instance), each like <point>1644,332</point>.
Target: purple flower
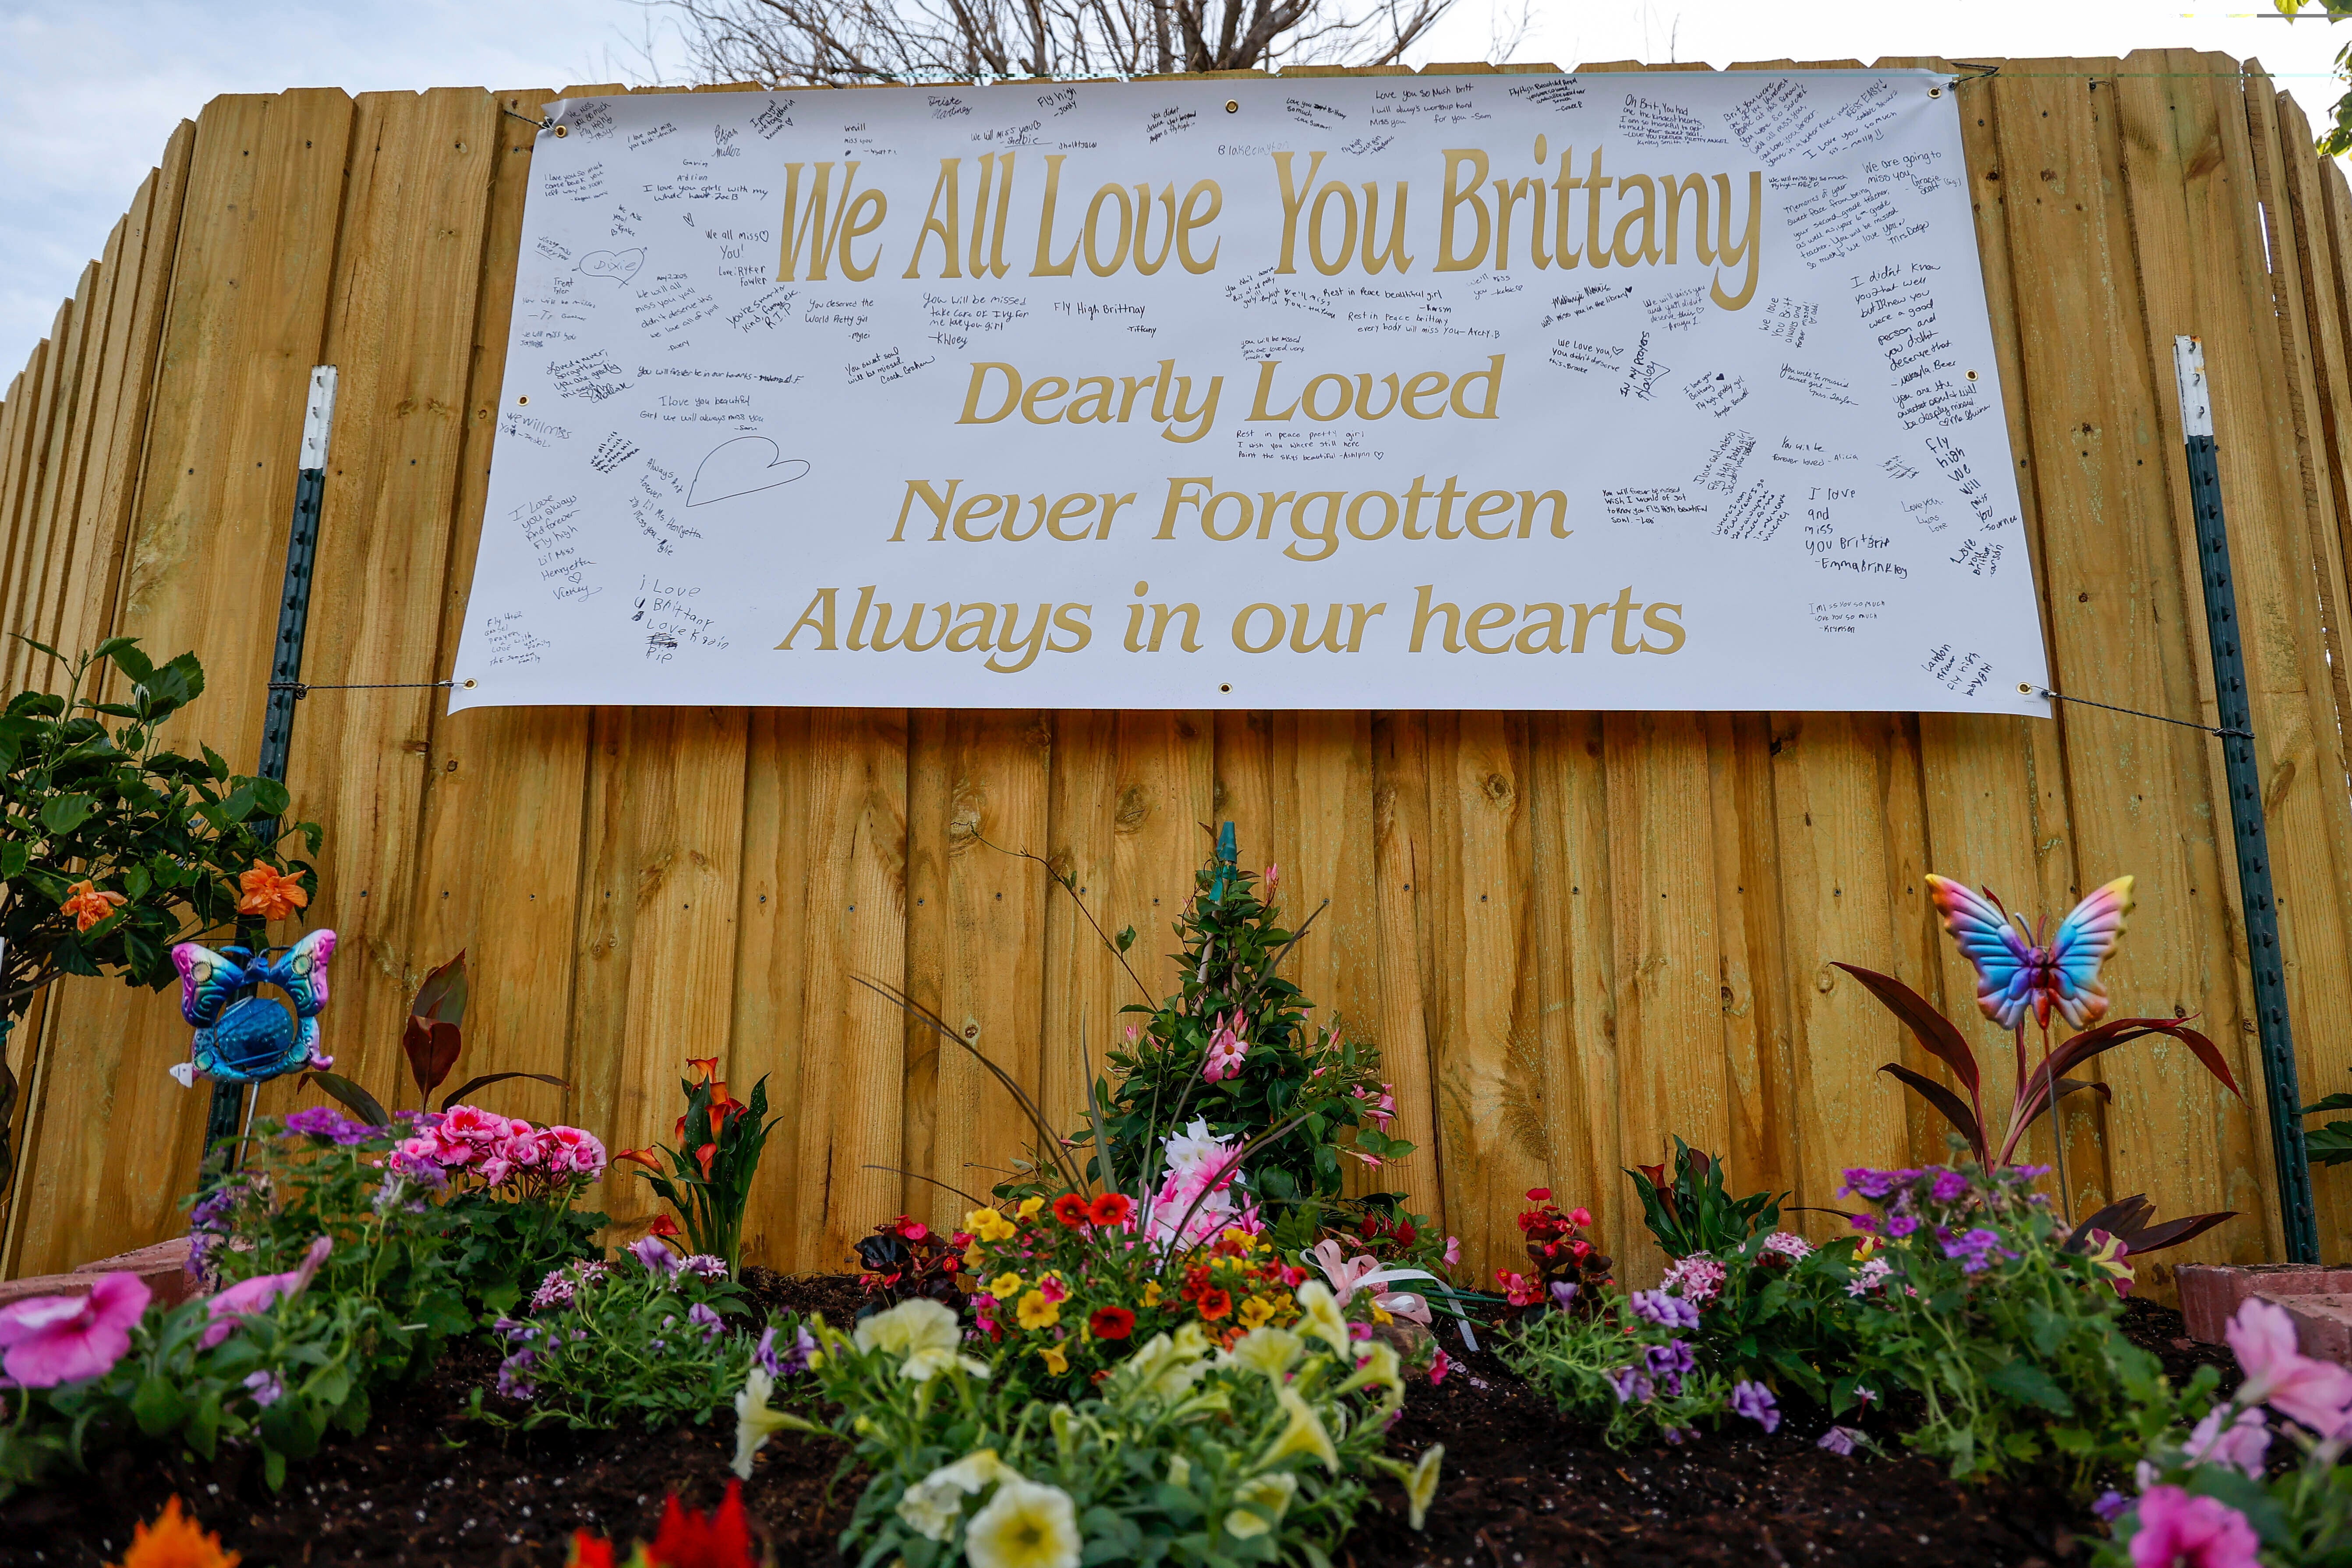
<point>1839,1439</point>
<point>1563,1292</point>
<point>1902,1225</point>
<point>1869,1184</point>
<point>655,1258</point>
<point>1755,1401</point>
<point>515,1332</point>
<point>1674,1435</point>
<point>510,1382</point>
<point>1865,1223</point>
<point>1666,1312</point>
<point>2112,1505</point>
<point>1672,1357</point>
<point>1630,1385</point>
<point>1949,1185</point>
<point>707,1320</point>
<point>324,1122</point>
<point>795,1361</point>
<point>266,1388</point>
<point>1974,1251</point>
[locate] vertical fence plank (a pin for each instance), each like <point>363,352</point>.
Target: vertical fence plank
<point>28,532</point>
<point>498,858</point>
<point>1402,854</point>
<point>769,991</point>
<point>244,326</point>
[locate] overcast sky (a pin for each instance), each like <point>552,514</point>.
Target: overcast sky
<point>88,91</point>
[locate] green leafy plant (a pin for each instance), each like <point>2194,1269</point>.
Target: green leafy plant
<point>644,1339</point>
<point>1626,1367</point>
<point>1777,1309</point>
<point>2331,1142</point>
<point>1259,1454</point>
<point>314,1174</point>
<point>709,1179</point>
<point>1232,1048</point>
<point>2336,140</point>
<point>2013,1342</point>
<point>288,1374</point>
<point>113,846</point>
<point>1694,1213</point>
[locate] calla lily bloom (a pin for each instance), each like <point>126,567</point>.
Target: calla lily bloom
<point>52,1340</point>
<point>640,1156</point>
<point>89,904</point>
<point>704,1068</point>
<point>662,1225</point>
<point>272,895</point>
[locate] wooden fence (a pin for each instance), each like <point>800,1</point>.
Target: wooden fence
<point>1571,934</point>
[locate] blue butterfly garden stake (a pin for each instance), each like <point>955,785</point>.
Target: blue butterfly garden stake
<point>252,1039</point>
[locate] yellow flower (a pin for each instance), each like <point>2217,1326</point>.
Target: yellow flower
<point>1005,1285</point>
<point>1024,1525</point>
<point>176,1541</point>
<point>1152,1292</point>
<point>1421,1486</point>
<point>1270,1351</point>
<point>1380,1314</point>
<point>1255,1312</point>
<point>1323,1318</point>
<point>933,1505</point>
<point>1303,1434</point>
<point>1056,1360</point>
<point>1028,1208</point>
<point>1037,1312</point>
<point>1264,1501</point>
<point>989,1225</point>
<point>972,1258</point>
<point>1380,1368</point>
<point>916,1324</point>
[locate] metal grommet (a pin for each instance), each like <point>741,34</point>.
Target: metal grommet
<point>563,131</point>
<point>2023,688</point>
<point>1232,106</point>
<point>469,685</point>
<point>1226,687</point>
<point>1935,92</point>
<point>1972,375</point>
<point>526,396</point>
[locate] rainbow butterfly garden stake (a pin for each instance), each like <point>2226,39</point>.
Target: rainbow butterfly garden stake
<point>2025,969</point>
<point>252,1039</point>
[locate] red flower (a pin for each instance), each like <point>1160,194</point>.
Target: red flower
<point>1214,1304</point>
<point>663,1226</point>
<point>717,1540</point>
<point>1111,1323</point>
<point>1070,1209</point>
<point>1580,1217</point>
<point>1539,1195</point>
<point>1111,1208</point>
<point>589,1551</point>
<point>642,1156</point>
<point>702,1157</point>
<point>913,1229</point>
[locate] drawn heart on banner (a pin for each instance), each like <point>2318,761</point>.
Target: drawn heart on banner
<point>618,265</point>
<point>740,467</point>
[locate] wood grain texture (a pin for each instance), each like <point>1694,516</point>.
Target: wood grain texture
<point>1570,935</point>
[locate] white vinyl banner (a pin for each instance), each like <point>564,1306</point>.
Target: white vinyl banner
<point>1538,391</point>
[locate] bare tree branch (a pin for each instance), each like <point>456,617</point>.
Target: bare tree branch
<point>838,43</point>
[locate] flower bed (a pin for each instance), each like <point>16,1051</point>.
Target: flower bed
<point>1521,1487</point>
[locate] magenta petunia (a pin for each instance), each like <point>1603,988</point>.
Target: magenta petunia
<point>259,1293</point>
<point>2316,1392</point>
<point>2178,1530</point>
<point>52,1340</point>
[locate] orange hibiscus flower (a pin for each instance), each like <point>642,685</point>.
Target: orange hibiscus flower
<point>272,895</point>
<point>89,905</point>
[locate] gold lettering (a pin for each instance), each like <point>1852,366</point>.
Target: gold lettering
<point>1457,193</point>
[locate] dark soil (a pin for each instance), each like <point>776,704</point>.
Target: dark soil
<point>1521,1489</point>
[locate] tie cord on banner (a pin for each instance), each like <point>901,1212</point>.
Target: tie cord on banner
<point>301,689</point>
<point>2030,689</point>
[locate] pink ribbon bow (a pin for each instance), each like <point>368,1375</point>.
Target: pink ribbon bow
<point>1350,1275</point>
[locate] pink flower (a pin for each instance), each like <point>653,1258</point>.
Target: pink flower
<point>471,1124</point>
<point>1053,1290</point>
<point>570,1150</point>
<point>495,1170</point>
<point>1273,877</point>
<point>2241,1444</point>
<point>1440,1367</point>
<point>1452,1251</point>
<point>2177,1530</point>
<point>1226,1050</point>
<point>260,1292</point>
<point>52,1340</point>
<point>520,1150</point>
<point>2316,1392</point>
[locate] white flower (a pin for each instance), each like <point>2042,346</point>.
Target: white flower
<point>930,1361</point>
<point>912,1325</point>
<point>1179,1472</point>
<point>1264,1501</point>
<point>1319,1314</point>
<point>1268,1350</point>
<point>1164,1368</point>
<point>1024,1525</point>
<point>1421,1488</point>
<point>1194,1146</point>
<point>932,1505</point>
<point>1304,1434</point>
<point>756,1421</point>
